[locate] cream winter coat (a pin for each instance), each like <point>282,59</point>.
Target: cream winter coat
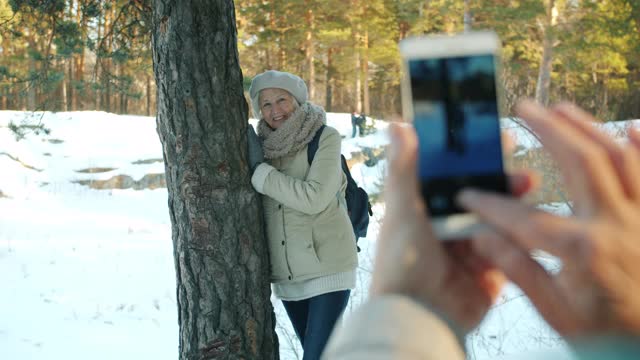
<point>308,229</point>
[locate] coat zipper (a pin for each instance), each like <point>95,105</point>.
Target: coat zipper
<point>286,253</point>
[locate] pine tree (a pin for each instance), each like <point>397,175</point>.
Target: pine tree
<point>219,248</point>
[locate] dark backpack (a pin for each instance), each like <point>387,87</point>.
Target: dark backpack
<point>358,205</point>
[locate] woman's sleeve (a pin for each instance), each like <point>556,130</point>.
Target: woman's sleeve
<point>394,327</point>
<point>314,194</point>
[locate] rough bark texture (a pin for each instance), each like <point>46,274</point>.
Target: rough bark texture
<point>217,227</point>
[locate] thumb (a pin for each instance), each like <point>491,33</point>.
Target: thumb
<point>402,183</point>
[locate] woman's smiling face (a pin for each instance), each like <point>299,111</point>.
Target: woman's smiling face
<point>276,106</point>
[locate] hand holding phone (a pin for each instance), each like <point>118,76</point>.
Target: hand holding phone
<point>450,94</point>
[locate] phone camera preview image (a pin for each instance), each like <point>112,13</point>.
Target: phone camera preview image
<point>457,122</point>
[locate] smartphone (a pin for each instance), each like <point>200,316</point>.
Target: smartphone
<point>449,92</point>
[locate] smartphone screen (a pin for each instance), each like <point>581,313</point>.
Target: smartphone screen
<point>456,119</point>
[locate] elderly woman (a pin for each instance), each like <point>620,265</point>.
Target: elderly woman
<point>311,242</point>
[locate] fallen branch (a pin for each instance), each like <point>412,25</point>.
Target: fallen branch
<point>20,162</point>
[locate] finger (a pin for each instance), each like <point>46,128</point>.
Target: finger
<point>634,137</point>
<point>402,182</point>
<point>585,166</point>
<point>488,279</point>
<point>525,225</point>
<point>508,142</point>
<point>523,182</point>
<point>518,266</point>
<point>625,160</point>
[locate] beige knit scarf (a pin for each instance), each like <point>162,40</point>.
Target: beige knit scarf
<point>294,134</point>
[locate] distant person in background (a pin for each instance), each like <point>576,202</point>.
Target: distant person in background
<point>362,121</point>
<point>426,295</point>
<point>354,123</point>
<point>312,246</point>
<point>357,121</point>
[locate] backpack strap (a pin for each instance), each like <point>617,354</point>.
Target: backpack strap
<point>312,147</point>
<point>345,169</point>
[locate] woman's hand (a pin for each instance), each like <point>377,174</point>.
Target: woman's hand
<point>256,154</point>
<point>597,291</point>
<point>451,277</point>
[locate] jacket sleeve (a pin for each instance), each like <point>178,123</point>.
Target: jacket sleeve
<point>393,327</point>
<point>313,194</point>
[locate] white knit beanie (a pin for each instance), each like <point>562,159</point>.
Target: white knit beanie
<point>279,80</point>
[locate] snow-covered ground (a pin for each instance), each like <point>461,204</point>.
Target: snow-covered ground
<point>90,274</point>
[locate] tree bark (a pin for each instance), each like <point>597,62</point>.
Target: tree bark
<point>221,259</point>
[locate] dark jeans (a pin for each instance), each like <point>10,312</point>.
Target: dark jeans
<point>313,320</point>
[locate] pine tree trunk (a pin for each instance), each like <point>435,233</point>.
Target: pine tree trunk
<point>79,61</point>
<point>65,99</point>
<point>121,93</point>
<point>72,93</point>
<point>271,48</point>
<point>222,273</point>
<point>148,97</point>
<point>309,54</point>
<point>68,65</point>
<point>329,81</point>
<point>365,75</point>
<point>358,84</point>
<point>4,98</point>
<point>97,73</point>
<point>282,57</point>
<point>108,62</point>
<point>31,92</point>
<point>467,17</point>
<point>355,30</point>
<point>544,74</point>
<point>107,85</point>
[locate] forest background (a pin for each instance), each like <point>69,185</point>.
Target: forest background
<point>69,55</point>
